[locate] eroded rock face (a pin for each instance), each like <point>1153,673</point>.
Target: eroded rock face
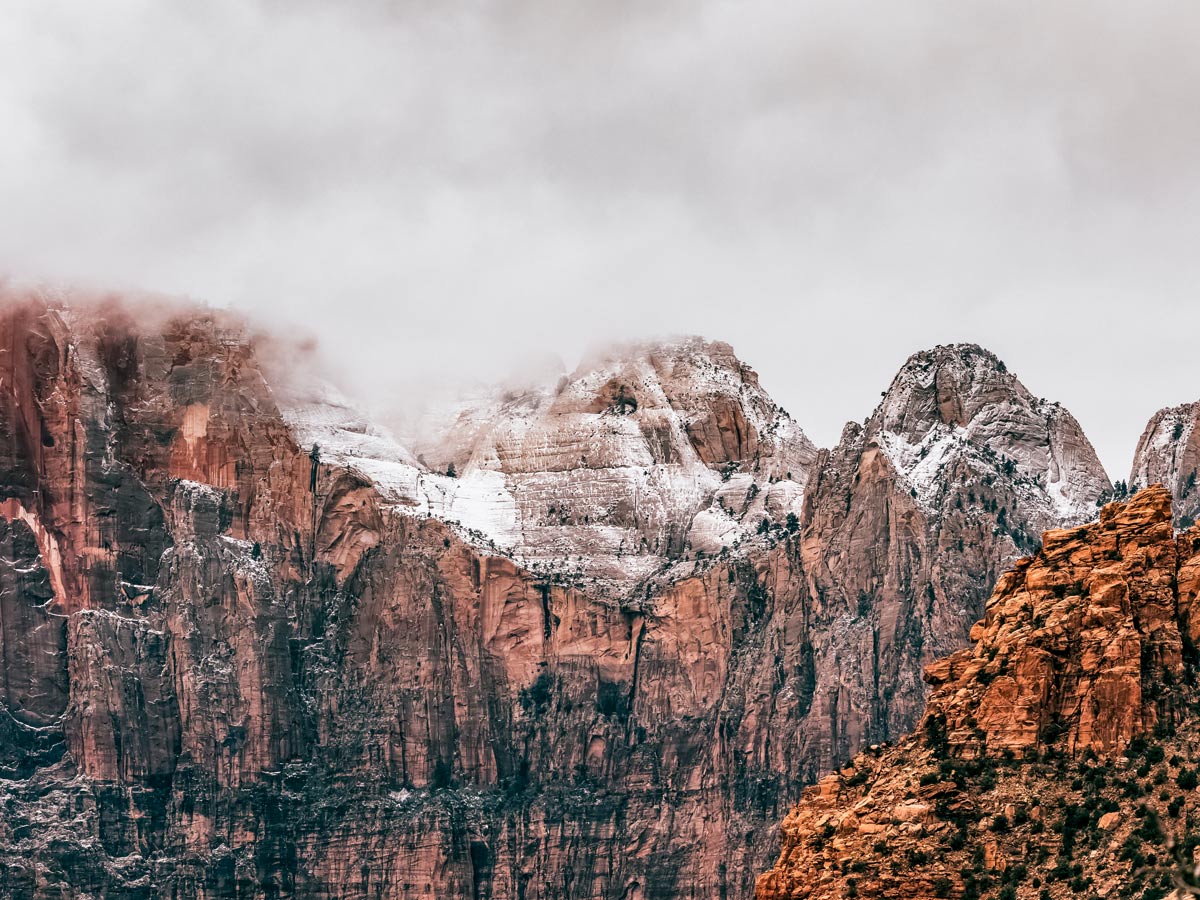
<point>234,664</point>
<point>1077,639</point>
<point>1168,453</point>
<point>960,402</point>
<point>1079,659</point>
<point>645,456</point>
<point>248,652</point>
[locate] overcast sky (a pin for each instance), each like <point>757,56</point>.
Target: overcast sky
<point>445,189</point>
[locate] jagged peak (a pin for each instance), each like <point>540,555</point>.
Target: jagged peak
<point>960,402</point>
<point>963,352</point>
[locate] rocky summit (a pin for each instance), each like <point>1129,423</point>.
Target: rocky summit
<point>912,517</point>
<point>594,645</point>
<point>647,457</point>
<point>1057,755</point>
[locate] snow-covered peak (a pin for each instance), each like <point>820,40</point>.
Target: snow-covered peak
<point>700,381</point>
<point>948,385</point>
<point>648,453</point>
<point>959,405</point>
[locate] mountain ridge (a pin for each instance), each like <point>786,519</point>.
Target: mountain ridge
<point>280,653</point>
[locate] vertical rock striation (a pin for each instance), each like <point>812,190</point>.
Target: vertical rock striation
<point>253,648</point>
<point>1035,738</point>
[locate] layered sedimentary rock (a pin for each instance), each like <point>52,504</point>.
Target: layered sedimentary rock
<point>243,655</point>
<point>1057,754</point>
<point>1168,453</point>
<point>252,647</point>
<point>910,519</point>
<point>645,456</point>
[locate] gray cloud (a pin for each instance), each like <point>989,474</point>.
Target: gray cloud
<point>441,190</point>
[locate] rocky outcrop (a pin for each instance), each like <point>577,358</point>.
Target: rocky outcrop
<point>1168,453</point>
<point>1056,755</point>
<point>1077,640</point>
<point>252,647</point>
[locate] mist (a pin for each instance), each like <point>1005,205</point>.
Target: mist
<point>443,193</point>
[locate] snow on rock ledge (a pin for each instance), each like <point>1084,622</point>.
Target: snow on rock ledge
<point>648,454</point>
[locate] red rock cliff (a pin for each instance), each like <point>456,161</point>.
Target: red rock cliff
<point>1056,755</point>
<point>238,665</point>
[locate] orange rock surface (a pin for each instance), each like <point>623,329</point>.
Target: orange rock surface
<point>1081,665</point>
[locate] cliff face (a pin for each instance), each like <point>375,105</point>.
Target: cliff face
<point>251,647</point>
<point>912,517</point>
<point>238,665</point>
<point>1168,453</point>
<point>1056,755</point>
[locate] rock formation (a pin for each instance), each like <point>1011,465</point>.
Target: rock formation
<point>1168,453</point>
<point>910,519</point>
<point>243,656</point>
<point>252,647</point>
<point>647,456</point>
<point>1057,754</point>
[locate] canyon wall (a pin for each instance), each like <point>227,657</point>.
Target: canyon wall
<point>252,648</point>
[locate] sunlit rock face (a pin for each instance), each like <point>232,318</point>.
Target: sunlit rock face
<point>254,647</point>
<point>1168,453</point>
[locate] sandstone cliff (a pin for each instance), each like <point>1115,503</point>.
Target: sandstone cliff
<point>243,655</point>
<point>1057,755</point>
<point>1168,453</point>
<point>252,647</point>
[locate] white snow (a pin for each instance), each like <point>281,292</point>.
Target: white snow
<point>921,464</point>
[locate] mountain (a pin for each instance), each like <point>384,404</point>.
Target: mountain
<point>252,646</point>
<point>1168,453</point>
<point>646,457</point>
<point>1057,755</point>
<point>248,649</point>
<point>909,521</point>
